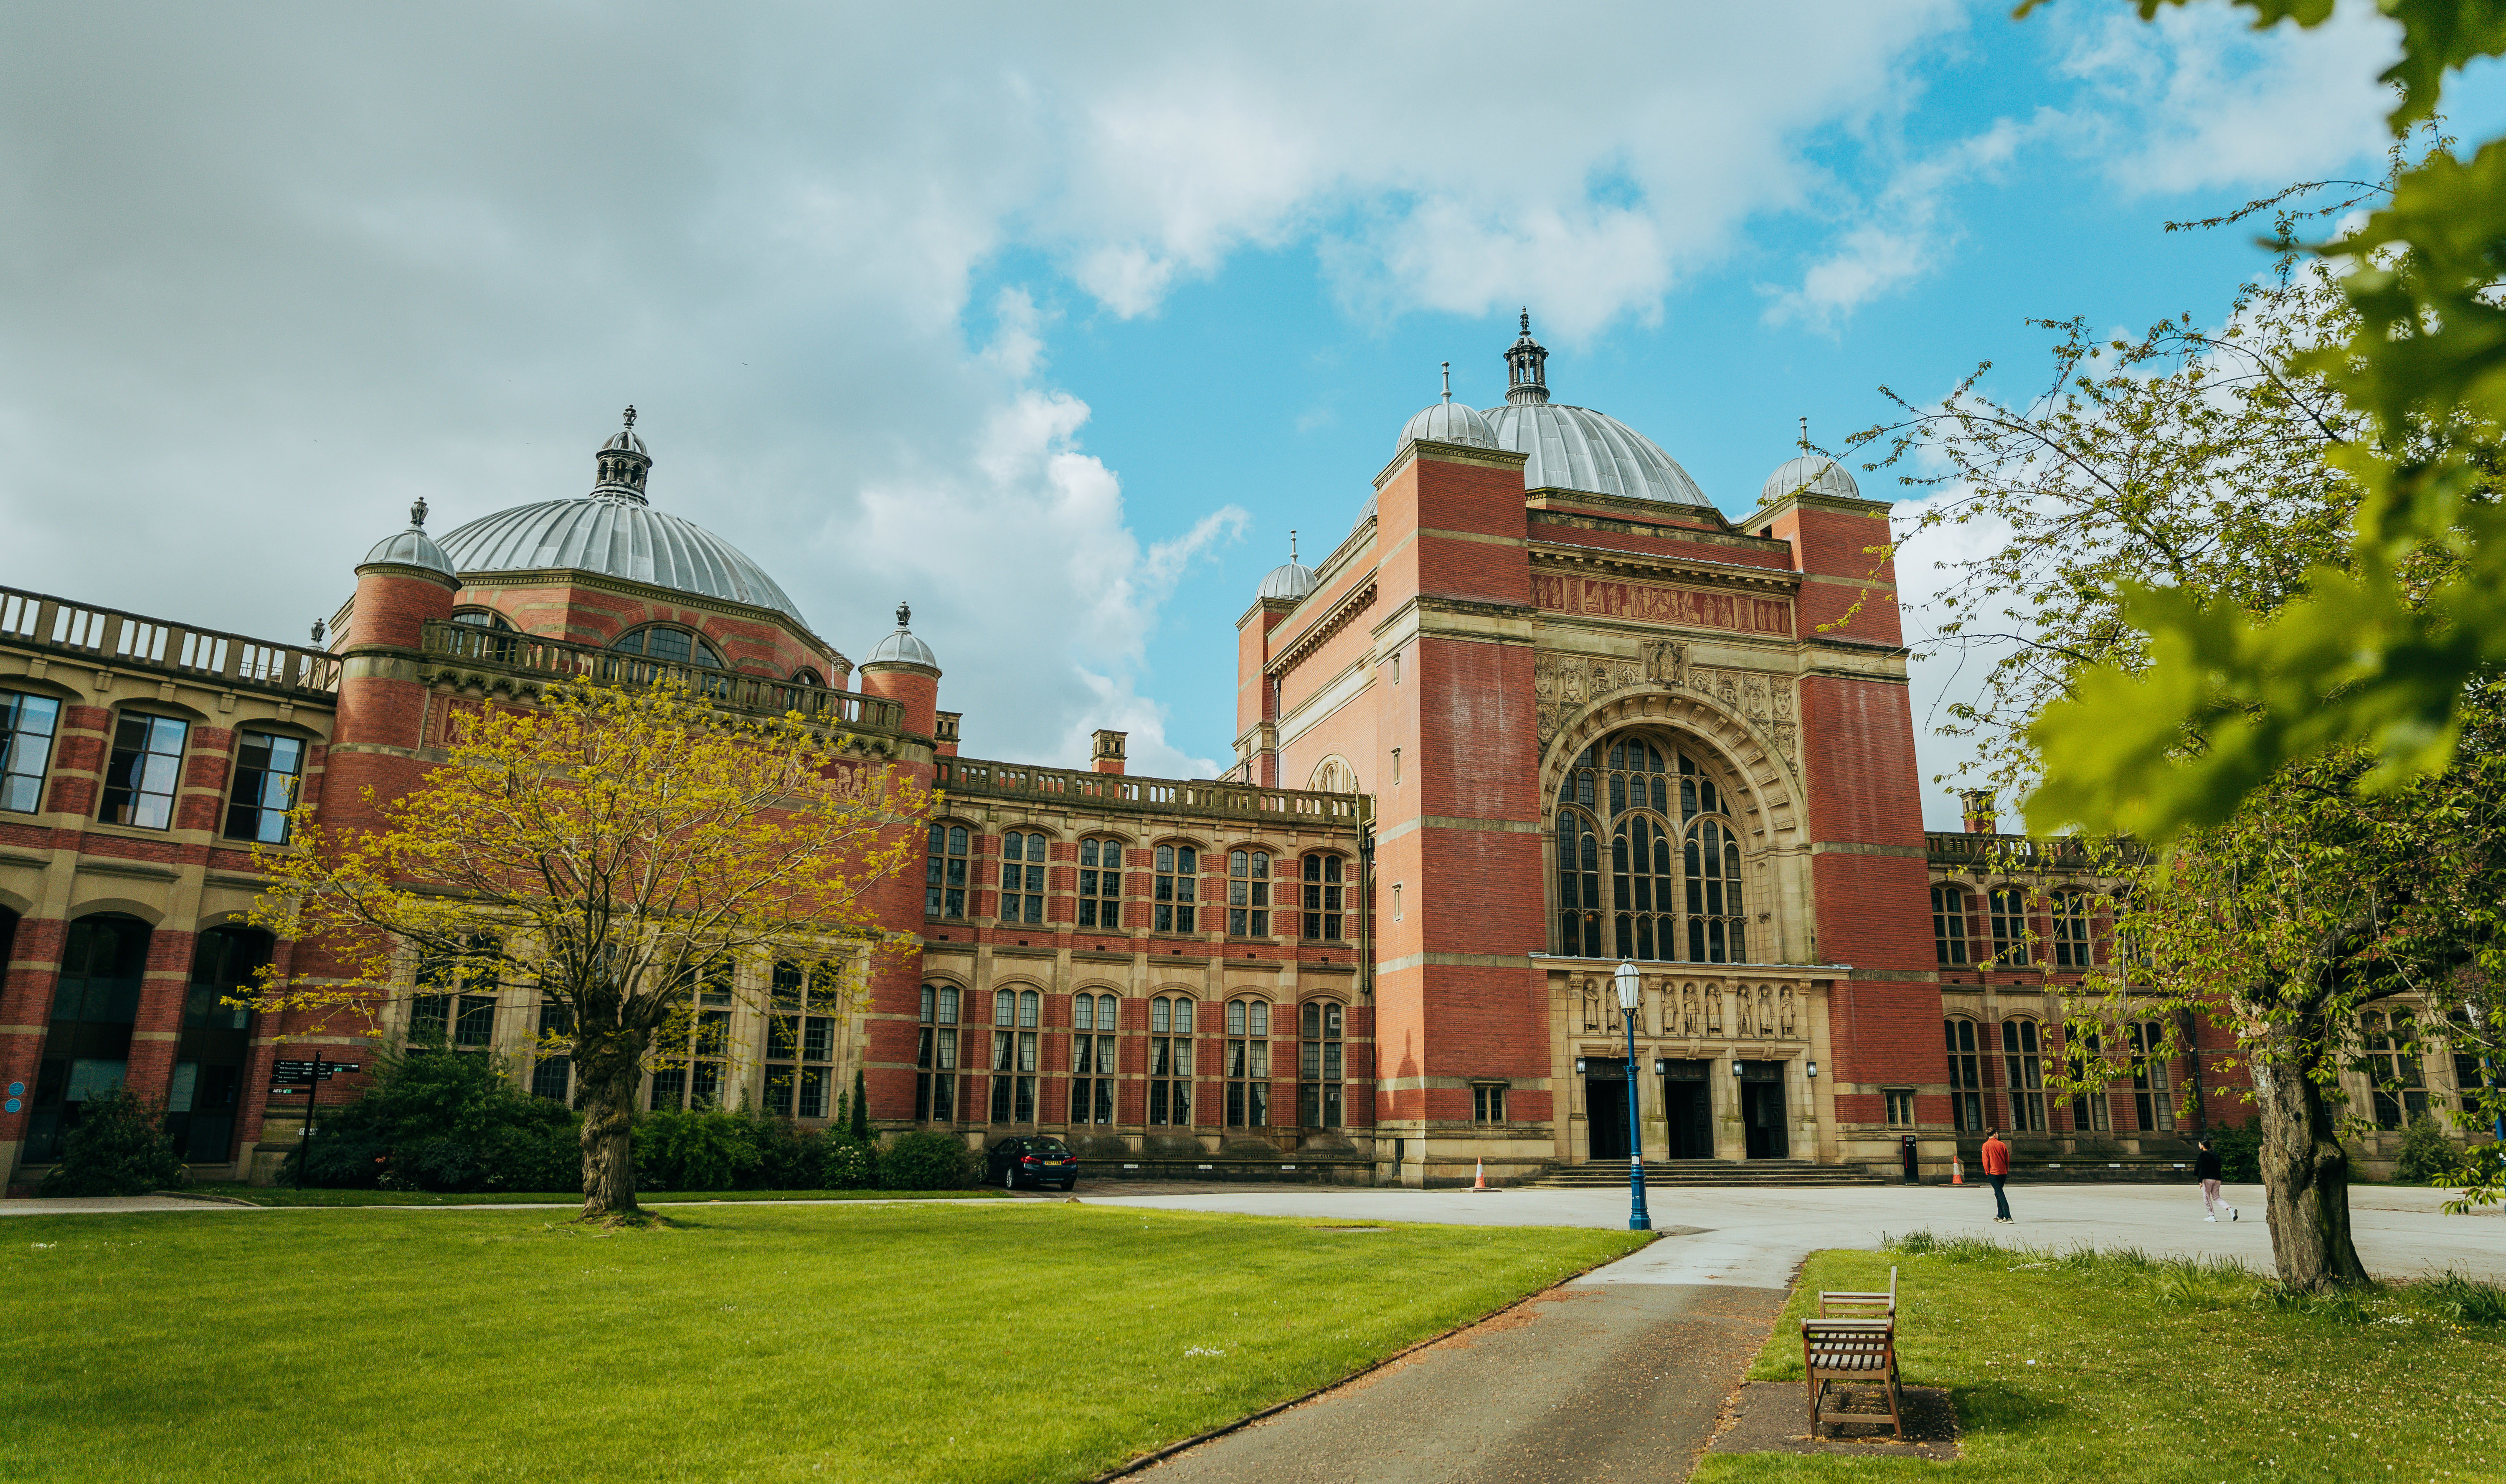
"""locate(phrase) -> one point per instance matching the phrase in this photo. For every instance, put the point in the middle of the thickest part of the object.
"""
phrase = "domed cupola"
(1526, 382)
(613, 531)
(623, 464)
(412, 546)
(901, 647)
(1292, 580)
(1809, 474)
(1449, 422)
(1575, 448)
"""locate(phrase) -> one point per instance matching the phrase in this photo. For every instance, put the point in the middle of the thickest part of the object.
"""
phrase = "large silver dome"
(615, 538)
(1575, 448)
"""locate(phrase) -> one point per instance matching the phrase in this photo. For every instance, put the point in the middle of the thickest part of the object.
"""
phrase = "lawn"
(2113, 1367)
(288, 1195)
(1021, 1341)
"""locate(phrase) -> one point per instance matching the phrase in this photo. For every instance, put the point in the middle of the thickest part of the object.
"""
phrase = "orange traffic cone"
(1479, 1175)
(1958, 1170)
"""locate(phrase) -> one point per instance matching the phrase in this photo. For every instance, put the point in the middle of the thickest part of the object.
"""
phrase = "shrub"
(119, 1148)
(847, 1164)
(858, 1123)
(926, 1162)
(440, 1120)
(702, 1150)
(2427, 1155)
(2240, 1151)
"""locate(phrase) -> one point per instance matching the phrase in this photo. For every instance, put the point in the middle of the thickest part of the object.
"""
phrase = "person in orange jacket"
(1996, 1165)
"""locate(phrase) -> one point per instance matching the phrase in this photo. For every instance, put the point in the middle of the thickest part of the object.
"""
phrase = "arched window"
(1178, 885)
(805, 675)
(1966, 1078)
(1170, 1061)
(483, 618)
(801, 1041)
(1318, 1065)
(267, 771)
(1096, 1020)
(2070, 913)
(1248, 893)
(2152, 1098)
(944, 872)
(671, 644)
(2007, 916)
(27, 727)
(935, 1056)
(2090, 1112)
(1248, 1064)
(2024, 1066)
(1674, 887)
(201, 1100)
(86, 1047)
(1333, 774)
(1015, 1016)
(1323, 873)
(1949, 924)
(1100, 884)
(1023, 877)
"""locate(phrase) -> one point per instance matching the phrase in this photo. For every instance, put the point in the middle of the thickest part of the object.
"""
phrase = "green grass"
(1026, 1341)
(2113, 1366)
(286, 1195)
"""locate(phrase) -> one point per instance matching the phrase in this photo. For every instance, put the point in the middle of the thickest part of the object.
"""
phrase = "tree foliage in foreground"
(617, 849)
(2365, 657)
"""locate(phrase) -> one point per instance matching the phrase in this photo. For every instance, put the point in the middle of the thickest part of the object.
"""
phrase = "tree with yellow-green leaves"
(616, 848)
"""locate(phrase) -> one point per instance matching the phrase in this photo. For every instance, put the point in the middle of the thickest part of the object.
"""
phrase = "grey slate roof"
(1575, 448)
(1814, 472)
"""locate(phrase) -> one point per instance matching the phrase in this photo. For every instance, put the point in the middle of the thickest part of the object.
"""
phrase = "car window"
(1051, 1146)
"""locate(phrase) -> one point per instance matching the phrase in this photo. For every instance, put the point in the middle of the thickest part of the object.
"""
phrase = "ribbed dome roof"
(901, 647)
(1448, 422)
(1575, 448)
(615, 538)
(1290, 580)
(413, 547)
(1815, 473)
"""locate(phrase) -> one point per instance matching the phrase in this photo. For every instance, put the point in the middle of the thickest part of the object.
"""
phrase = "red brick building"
(1544, 709)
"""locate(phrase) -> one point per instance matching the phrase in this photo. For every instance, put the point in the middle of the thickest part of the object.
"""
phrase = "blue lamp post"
(1638, 1220)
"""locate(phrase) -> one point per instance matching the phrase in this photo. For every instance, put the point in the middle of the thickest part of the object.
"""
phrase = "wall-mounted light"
(1579, 1067)
(1736, 1069)
(1813, 1070)
(1662, 1066)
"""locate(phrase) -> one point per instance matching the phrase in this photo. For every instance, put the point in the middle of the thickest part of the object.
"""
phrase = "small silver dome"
(1812, 474)
(1575, 448)
(412, 546)
(1291, 580)
(1448, 422)
(901, 647)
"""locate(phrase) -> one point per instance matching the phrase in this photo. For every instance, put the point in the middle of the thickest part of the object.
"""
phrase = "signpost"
(289, 1076)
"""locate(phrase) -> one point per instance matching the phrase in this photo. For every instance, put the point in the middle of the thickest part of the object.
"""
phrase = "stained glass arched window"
(1673, 889)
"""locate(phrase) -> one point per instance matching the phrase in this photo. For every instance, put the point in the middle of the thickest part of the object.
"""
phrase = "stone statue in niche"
(1784, 1010)
(1743, 1024)
(1667, 663)
(1714, 1009)
(1688, 1009)
(1591, 1008)
(1765, 1010)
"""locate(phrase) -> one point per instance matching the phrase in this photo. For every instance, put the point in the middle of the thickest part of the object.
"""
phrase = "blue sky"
(1054, 324)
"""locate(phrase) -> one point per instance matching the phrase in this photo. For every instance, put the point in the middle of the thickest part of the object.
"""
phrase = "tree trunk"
(611, 1069)
(2305, 1172)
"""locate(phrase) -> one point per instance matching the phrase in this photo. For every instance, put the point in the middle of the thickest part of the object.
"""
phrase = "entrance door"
(1688, 1109)
(1762, 1109)
(1605, 1116)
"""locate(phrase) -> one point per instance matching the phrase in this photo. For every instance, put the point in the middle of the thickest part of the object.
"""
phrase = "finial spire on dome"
(1292, 543)
(631, 414)
(1525, 378)
(904, 615)
(1448, 380)
(417, 514)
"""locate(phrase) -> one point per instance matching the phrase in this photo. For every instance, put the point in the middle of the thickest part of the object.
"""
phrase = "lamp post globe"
(1638, 1219)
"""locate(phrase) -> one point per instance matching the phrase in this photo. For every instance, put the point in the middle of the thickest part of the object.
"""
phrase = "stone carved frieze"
(1564, 684)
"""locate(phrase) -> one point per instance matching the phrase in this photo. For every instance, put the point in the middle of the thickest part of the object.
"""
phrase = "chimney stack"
(1977, 807)
(1109, 751)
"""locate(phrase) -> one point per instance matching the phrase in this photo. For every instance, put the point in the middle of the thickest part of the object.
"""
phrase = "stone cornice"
(1638, 565)
(1451, 453)
(1322, 628)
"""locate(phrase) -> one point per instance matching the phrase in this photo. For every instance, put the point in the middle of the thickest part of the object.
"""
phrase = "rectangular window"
(1177, 887)
(1966, 1078)
(474, 1022)
(552, 1072)
(1323, 900)
(1248, 1064)
(145, 771)
(1318, 1065)
(2149, 1096)
(2025, 1075)
(1248, 893)
(800, 1046)
(1014, 1055)
(2392, 1064)
(1100, 884)
(1949, 926)
(2072, 930)
(944, 872)
(1171, 1064)
(1488, 1104)
(267, 771)
(27, 724)
(1023, 877)
(2008, 920)
(1901, 1106)
(935, 1056)
(1095, 1023)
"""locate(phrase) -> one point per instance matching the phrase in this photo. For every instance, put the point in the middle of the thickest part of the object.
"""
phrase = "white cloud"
(2199, 99)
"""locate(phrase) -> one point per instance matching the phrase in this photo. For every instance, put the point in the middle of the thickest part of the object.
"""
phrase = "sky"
(1054, 322)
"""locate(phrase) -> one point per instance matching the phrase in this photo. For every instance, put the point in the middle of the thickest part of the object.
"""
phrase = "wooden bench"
(1851, 1349)
(1860, 1306)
